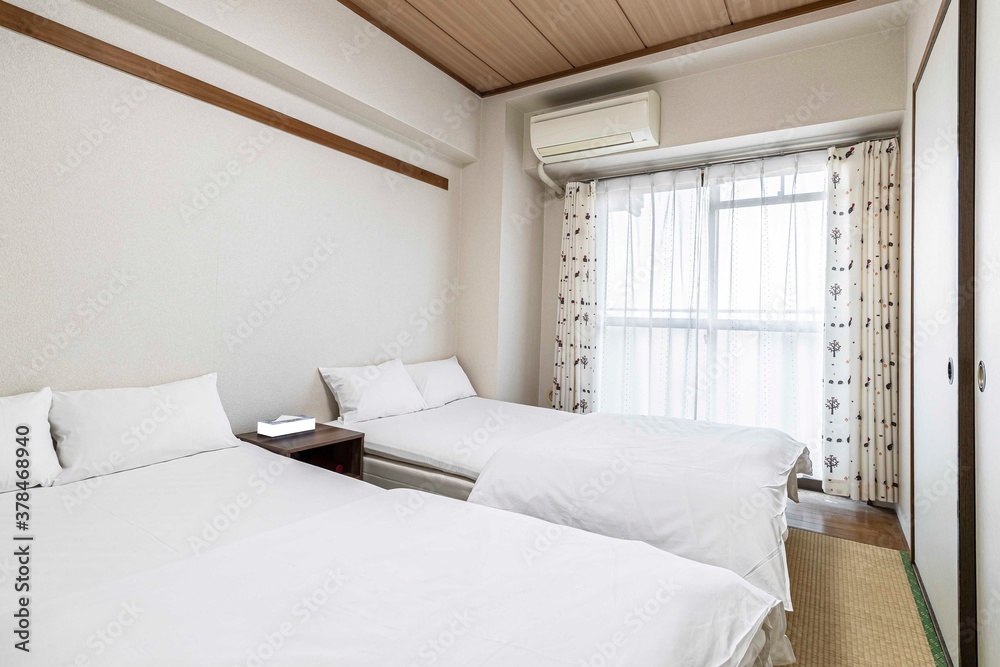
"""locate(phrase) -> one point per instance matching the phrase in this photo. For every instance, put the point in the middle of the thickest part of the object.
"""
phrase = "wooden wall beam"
(48, 31)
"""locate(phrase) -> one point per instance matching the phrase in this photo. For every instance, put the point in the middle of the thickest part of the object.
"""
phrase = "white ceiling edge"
(834, 24)
(762, 144)
(189, 32)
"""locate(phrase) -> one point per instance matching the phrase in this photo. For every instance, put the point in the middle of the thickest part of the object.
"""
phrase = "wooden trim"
(968, 616)
(676, 43)
(931, 41)
(968, 647)
(48, 31)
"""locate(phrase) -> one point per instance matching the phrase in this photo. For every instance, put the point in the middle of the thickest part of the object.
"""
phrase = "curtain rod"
(744, 158)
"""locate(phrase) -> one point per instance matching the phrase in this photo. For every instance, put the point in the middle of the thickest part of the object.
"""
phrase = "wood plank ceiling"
(497, 45)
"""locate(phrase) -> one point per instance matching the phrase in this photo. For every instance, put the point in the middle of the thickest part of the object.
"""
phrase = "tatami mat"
(856, 604)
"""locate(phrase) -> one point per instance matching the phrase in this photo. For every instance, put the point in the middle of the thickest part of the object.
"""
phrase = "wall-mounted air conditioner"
(599, 128)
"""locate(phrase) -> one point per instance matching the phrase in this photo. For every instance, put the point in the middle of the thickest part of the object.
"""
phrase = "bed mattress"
(457, 438)
(240, 557)
(392, 474)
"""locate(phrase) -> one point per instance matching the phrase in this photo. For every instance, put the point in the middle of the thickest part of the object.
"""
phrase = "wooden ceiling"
(496, 45)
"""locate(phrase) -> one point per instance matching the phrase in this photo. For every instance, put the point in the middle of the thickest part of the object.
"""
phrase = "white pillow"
(441, 382)
(103, 431)
(27, 416)
(372, 392)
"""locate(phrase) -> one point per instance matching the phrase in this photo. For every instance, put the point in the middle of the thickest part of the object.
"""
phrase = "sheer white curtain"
(712, 288)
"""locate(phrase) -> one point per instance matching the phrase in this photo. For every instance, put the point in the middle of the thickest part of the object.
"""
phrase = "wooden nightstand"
(330, 447)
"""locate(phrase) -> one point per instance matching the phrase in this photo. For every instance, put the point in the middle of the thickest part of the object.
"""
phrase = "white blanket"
(709, 492)
(458, 438)
(318, 569)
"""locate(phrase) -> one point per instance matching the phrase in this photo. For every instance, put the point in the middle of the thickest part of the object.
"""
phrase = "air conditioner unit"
(599, 128)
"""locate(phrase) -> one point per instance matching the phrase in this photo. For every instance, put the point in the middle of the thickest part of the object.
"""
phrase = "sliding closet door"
(935, 340)
(988, 329)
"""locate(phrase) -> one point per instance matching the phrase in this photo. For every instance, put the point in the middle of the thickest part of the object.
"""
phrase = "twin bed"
(191, 548)
(443, 450)
(240, 557)
(709, 492)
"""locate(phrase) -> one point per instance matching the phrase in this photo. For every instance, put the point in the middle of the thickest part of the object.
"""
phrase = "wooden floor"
(846, 519)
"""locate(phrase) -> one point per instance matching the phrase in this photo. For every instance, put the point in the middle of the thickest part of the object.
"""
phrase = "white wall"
(520, 271)
(370, 72)
(778, 96)
(147, 236)
(501, 260)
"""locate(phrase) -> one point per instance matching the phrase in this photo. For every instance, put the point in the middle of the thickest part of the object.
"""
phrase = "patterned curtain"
(862, 322)
(576, 323)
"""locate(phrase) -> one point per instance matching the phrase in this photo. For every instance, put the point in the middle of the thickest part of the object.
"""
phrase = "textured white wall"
(147, 237)
(482, 210)
(331, 44)
(854, 78)
(520, 271)
(501, 262)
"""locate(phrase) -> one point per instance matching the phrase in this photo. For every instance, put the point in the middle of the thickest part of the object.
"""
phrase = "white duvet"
(317, 569)
(457, 438)
(709, 492)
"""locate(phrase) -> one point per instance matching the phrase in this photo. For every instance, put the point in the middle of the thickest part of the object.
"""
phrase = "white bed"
(240, 557)
(444, 449)
(709, 492)
(713, 493)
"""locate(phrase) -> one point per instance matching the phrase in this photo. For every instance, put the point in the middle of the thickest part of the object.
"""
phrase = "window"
(713, 294)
